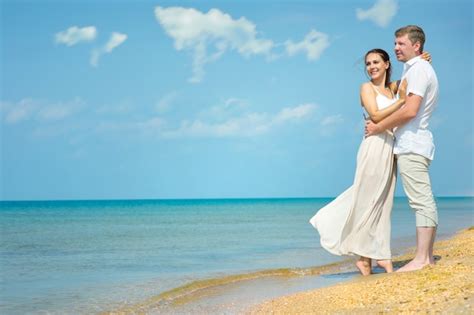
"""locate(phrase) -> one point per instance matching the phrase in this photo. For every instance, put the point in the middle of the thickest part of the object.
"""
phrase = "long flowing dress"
(357, 222)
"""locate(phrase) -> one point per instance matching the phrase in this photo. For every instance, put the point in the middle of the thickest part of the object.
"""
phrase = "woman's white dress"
(357, 222)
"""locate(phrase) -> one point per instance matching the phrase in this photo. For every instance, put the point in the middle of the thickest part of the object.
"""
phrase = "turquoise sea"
(83, 257)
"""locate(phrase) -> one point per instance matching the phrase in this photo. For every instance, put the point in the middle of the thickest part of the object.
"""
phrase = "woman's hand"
(402, 90)
(427, 56)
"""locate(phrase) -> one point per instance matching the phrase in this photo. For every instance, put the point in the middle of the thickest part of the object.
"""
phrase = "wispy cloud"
(331, 124)
(164, 104)
(22, 110)
(60, 111)
(215, 30)
(381, 13)
(153, 126)
(116, 39)
(313, 45)
(294, 113)
(120, 108)
(245, 125)
(332, 120)
(75, 35)
(231, 107)
(28, 109)
(248, 125)
(232, 120)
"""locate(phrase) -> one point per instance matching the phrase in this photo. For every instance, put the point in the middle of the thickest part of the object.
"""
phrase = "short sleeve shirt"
(414, 136)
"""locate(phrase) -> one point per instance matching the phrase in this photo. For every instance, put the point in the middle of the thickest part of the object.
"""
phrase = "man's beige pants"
(413, 169)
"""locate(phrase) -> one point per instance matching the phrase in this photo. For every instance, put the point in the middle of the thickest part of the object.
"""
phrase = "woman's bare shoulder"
(366, 87)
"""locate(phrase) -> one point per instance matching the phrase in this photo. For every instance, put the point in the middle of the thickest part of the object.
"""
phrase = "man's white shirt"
(414, 136)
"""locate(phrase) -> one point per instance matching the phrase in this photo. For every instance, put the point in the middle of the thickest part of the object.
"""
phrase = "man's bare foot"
(364, 265)
(385, 264)
(414, 265)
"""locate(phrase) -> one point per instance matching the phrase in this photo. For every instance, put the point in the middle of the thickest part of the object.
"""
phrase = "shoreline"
(446, 287)
(141, 250)
(295, 287)
(187, 298)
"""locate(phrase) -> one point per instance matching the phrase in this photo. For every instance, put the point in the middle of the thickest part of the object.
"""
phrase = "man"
(414, 148)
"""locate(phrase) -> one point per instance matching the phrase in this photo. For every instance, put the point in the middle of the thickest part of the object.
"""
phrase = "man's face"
(404, 49)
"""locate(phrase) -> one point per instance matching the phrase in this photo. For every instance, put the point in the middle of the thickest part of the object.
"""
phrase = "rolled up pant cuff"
(424, 221)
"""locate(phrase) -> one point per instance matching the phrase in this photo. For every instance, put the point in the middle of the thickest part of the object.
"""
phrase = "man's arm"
(400, 117)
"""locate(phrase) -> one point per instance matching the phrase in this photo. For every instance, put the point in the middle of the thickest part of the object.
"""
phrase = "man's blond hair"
(415, 34)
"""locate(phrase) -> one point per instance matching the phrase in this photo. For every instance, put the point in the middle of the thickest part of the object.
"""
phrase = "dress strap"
(375, 88)
(380, 93)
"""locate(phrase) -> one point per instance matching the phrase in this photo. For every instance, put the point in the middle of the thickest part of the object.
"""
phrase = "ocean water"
(82, 257)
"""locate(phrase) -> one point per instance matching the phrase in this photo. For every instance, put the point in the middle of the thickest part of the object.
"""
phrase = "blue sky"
(212, 99)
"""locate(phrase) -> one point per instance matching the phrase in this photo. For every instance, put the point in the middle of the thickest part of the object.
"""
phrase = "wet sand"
(235, 294)
(447, 287)
(334, 288)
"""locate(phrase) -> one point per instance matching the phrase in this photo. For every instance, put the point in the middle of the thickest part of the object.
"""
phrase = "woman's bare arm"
(367, 98)
(394, 86)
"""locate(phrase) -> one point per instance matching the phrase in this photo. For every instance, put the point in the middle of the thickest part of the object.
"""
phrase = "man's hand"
(371, 128)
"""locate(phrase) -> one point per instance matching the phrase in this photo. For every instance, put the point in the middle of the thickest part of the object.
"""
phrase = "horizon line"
(203, 199)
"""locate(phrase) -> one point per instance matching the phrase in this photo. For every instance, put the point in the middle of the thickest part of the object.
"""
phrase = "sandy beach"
(447, 287)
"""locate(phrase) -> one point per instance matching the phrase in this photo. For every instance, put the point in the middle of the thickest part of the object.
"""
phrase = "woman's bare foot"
(364, 265)
(385, 264)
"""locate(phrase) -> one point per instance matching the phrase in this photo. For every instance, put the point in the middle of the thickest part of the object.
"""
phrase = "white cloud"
(209, 35)
(28, 108)
(75, 35)
(20, 111)
(231, 107)
(294, 113)
(246, 125)
(332, 120)
(120, 108)
(164, 103)
(215, 30)
(253, 125)
(154, 126)
(4, 106)
(381, 13)
(313, 45)
(151, 125)
(115, 40)
(59, 111)
(95, 55)
(235, 102)
(331, 124)
(233, 120)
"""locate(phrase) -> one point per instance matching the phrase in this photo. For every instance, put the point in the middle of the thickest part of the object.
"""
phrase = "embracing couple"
(357, 222)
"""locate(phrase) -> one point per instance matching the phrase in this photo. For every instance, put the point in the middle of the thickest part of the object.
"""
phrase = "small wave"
(188, 292)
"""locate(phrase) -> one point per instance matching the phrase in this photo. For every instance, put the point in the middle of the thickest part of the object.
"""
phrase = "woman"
(357, 222)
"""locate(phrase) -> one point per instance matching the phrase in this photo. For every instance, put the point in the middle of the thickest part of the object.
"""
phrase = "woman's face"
(375, 66)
